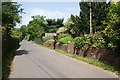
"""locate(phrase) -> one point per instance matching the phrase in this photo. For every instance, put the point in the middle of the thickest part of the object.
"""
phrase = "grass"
(60, 51)
(97, 63)
(90, 61)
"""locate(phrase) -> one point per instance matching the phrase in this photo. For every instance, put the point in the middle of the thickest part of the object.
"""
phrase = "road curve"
(33, 61)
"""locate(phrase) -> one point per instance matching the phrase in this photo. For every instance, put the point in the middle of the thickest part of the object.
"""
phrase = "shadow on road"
(21, 52)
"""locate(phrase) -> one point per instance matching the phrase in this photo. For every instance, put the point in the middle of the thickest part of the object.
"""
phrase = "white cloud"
(48, 13)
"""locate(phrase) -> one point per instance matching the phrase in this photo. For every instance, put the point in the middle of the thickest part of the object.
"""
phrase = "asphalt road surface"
(33, 61)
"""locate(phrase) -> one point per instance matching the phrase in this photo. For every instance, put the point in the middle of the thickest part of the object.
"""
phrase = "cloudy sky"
(48, 9)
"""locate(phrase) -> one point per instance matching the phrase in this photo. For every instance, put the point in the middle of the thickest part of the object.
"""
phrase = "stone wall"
(101, 54)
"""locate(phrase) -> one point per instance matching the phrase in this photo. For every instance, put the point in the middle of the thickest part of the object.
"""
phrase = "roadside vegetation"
(98, 63)
(105, 34)
(10, 35)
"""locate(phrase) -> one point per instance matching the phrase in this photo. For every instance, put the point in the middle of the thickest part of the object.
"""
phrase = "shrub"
(63, 35)
(64, 40)
(82, 42)
(78, 42)
(100, 40)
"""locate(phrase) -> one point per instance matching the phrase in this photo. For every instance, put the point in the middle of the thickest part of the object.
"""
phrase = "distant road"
(33, 61)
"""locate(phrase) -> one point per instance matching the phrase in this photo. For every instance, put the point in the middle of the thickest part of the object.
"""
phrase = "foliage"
(74, 26)
(113, 25)
(63, 35)
(78, 42)
(16, 33)
(27, 37)
(99, 13)
(53, 25)
(10, 36)
(97, 40)
(23, 29)
(64, 38)
(69, 25)
(82, 42)
(109, 38)
(10, 14)
(39, 25)
(36, 27)
(100, 40)
(61, 30)
(79, 25)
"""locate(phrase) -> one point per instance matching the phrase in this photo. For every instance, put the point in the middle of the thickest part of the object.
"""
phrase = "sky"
(49, 9)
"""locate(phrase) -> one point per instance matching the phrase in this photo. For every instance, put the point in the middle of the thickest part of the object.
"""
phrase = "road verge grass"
(89, 61)
(98, 63)
(57, 50)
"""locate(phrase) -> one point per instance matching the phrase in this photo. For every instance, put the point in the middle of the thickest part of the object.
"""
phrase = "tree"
(53, 25)
(10, 14)
(74, 26)
(99, 14)
(113, 25)
(23, 29)
(10, 36)
(36, 27)
(16, 33)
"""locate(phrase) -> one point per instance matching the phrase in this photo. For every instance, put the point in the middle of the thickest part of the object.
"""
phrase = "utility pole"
(91, 29)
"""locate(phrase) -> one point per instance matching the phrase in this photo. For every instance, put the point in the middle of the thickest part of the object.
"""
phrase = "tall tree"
(53, 25)
(10, 14)
(36, 26)
(23, 29)
(10, 36)
(113, 25)
(99, 14)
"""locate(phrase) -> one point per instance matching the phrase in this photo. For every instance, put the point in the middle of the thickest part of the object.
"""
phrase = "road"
(33, 61)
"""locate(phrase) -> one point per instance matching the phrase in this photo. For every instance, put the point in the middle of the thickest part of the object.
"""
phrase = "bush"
(82, 42)
(9, 46)
(100, 40)
(64, 40)
(63, 36)
(78, 42)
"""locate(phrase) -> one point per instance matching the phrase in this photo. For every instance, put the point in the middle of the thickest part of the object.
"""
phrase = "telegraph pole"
(91, 29)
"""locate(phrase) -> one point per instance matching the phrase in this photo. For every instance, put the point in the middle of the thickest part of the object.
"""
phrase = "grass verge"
(98, 63)
(95, 62)
(57, 50)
